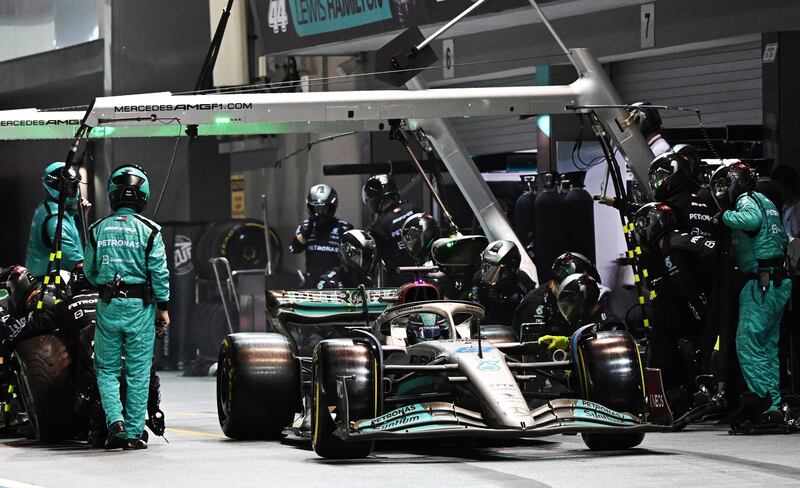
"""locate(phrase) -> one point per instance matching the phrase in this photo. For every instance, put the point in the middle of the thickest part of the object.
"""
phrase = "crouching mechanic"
(125, 259)
(759, 244)
(357, 257)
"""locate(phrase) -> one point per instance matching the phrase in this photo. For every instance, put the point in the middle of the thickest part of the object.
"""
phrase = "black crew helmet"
(648, 119)
(418, 233)
(694, 165)
(357, 252)
(322, 195)
(377, 190)
(669, 173)
(741, 180)
(500, 263)
(570, 263)
(652, 221)
(719, 182)
(577, 297)
(128, 186)
(22, 286)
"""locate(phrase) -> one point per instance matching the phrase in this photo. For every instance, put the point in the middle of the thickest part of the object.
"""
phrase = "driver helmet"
(418, 233)
(128, 186)
(500, 263)
(52, 180)
(322, 196)
(578, 297)
(652, 221)
(648, 119)
(357, 252)
(668, 174)
(423, 327)
(570, 263)
(377, 190)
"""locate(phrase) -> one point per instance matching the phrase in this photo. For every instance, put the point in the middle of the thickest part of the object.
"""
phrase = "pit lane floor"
(199, 455)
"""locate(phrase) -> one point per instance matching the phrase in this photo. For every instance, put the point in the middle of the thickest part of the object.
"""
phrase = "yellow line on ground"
(195, 432)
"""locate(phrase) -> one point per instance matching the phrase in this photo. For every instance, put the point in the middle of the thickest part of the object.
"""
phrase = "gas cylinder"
(579, 212)
(551, 225)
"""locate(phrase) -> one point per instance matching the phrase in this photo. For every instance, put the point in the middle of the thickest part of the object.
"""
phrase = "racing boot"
(117, 436)
(137, 444)
(747, 415)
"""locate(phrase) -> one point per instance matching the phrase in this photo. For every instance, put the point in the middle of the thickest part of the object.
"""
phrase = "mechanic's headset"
(128, 188)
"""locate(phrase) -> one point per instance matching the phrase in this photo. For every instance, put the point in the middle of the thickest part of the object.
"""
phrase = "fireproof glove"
(554, 342)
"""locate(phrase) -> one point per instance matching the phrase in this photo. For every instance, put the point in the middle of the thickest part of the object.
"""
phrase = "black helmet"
(22, 286)
(570, 263)
(377, 190)
(418, 233)
(648, 120)
(357, 252)
(424, 327)
(694, 164)
(577, 297)
(320, 196)
(499, 263)
(741, 179)
(78, 281)
(128, 187)
(719, 183)
(668, 174)
(652, 221)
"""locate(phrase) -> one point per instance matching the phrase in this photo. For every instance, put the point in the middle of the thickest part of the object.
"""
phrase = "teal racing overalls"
(40, 241)
(759, 244)
(123, 249)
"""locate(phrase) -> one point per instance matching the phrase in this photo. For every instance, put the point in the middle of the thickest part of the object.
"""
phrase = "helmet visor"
(491, 274)
(658, 177)
(720, 187)
(128, 179)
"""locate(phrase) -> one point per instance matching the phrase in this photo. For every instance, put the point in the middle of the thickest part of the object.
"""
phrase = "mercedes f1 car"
(345, 369)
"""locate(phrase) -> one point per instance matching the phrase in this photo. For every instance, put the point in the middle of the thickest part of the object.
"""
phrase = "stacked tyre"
(209, 328)
(240, 241)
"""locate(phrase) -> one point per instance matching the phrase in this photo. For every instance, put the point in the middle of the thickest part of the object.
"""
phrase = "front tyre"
(610, 373)
(258, 385)
(342, 358)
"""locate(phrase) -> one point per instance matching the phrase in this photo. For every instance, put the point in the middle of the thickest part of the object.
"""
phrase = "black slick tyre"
(337, 358)
(258, 385)
(610, 371)
(46, 386)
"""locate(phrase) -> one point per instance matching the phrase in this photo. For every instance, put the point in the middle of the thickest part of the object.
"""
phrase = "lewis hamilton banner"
(287, 25)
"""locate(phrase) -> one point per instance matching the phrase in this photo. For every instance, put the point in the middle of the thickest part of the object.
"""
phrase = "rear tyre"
(611, 375)
(46, 386)
(258, 385)
(336, 358)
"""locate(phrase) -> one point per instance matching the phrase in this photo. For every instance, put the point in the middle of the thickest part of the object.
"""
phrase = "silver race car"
(345, 371)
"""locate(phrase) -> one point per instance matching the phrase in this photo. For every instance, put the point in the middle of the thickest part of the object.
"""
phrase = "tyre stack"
(242, 243)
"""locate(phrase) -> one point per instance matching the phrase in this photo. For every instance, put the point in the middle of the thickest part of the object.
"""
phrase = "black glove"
(161, 328)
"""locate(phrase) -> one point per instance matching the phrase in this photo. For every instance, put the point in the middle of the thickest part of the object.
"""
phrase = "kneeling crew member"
(500, 285)
(125, 258)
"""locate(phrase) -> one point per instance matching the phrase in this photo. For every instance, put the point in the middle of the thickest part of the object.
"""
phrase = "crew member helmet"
(418, 233)
(377, 190)
(652, 221)
(53, 181)
(578, 297)
(570, 263)
(357, 252)
(322, 195)
(500, 263)
(128, 187)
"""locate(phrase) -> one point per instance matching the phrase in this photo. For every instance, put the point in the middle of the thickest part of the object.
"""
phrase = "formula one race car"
(357, 372)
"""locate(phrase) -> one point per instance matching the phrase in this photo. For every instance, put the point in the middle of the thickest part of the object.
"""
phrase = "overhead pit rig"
(229, 114)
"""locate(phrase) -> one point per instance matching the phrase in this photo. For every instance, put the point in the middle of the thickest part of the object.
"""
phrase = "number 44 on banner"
(277, 17)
